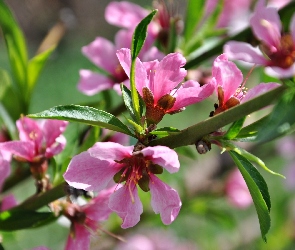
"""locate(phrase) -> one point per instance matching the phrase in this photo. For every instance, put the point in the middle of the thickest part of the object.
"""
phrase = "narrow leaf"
(35, 66)
(258, 190)
(234, 129)
(281, 119)
(140, 33)
(16, 219)
(86, 115)
(15, 42)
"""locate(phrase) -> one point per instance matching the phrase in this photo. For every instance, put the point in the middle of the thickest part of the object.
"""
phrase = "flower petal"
(191, 92)
(52, 129)
(124, 56)
(245, 52)
(8, 202)
(292, 27)
(165, 200)
(81, 241)
(126, 203)
(163, 156)
(23, 149)
(98, 209)
(266, 25)
(259, 90)
(90, 173)
(124, 14)
(4, 169)
(91, 83)
(102, 53)
(280, 72)
(168, 75)
(227, 75)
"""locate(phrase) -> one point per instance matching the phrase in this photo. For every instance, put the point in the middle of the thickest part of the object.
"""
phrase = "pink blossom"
(37, 140)
(229, 85)
(105, 161)
(5, 158)
(108, 135)
(159, 84)
(276, 52)
(237, 191)
(85, 220)
(103, 54)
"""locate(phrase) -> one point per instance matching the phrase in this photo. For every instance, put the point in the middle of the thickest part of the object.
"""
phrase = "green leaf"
(258, 190)
(162, 132)
(194, 14)
(35, 66)
(234, 129)
(17, 219)
(281, 120)
(249, 132)
(16, 45)
(5, 82)
(138, 39)
(140, 33)
(86, 115)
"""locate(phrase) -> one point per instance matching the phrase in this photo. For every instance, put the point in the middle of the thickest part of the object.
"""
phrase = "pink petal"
(4, 169)
(124, 56)
(165, 200)
(110, 151)
(266, 25)
(90, 173)
(116, 137)
(227, 75)
(191, 92)
(168, 75)
(91, 83)
(98, 209)
(280, 72)
(237, 191)
(23, 149)
(259, 90)
(124, 14)
(151, 54)
(52, 129)
(245, 52)
(123, 39)
(126, 203)
(8, 202)
(163, 156)
(81, 240)
(102, 53)
(57, 147)
(292, 27)
(29, 130)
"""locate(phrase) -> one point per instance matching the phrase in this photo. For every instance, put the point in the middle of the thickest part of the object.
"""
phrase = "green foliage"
(234, 129)
(86, 115)
(281, 120)
(258, 190)
(15, 219)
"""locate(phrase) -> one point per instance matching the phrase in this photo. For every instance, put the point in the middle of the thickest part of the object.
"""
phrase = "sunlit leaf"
(234, 129)
(86, 115)
(258, 190)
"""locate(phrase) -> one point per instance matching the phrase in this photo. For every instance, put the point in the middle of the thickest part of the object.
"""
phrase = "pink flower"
(103, 54)
(159, 85)
(37, 140)
(5, 158)
(105, 161)
(237, 191)
(276, 52)
(229, 87)
(128, 15)
(8, 202)
(85, 220)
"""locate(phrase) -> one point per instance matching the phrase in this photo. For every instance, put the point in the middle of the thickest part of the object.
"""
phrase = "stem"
(37, 201)
(196, 132)
(134, 94)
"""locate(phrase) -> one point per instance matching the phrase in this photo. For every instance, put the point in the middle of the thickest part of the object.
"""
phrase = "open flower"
(276, 51)
(85, 220)
(105, 161)
(103, 54)
(37, 140)
(159, 84)
(230, 86)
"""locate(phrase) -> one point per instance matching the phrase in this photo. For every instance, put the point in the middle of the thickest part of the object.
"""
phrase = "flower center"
(284, 57)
